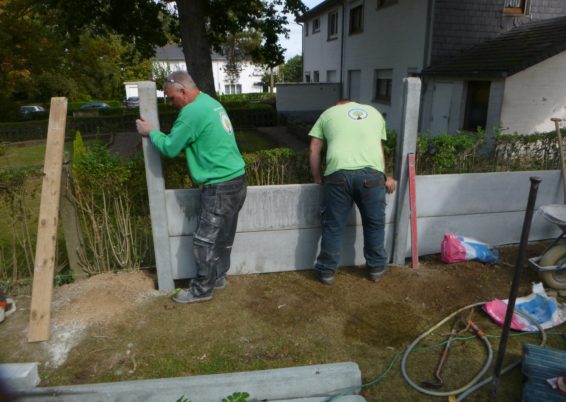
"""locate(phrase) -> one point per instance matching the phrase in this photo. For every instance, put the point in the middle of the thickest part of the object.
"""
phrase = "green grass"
(251, 141)
(23, 155)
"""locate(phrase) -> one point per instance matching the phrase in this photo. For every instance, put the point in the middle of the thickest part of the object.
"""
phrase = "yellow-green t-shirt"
(353, 133)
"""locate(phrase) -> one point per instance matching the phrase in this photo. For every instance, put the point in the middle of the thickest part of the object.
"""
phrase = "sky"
(294, 44)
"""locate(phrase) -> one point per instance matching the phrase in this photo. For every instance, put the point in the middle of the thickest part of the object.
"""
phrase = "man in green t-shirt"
(355, 166)
(204, 132)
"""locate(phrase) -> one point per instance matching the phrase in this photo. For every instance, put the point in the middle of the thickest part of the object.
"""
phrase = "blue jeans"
(366, 188)
(216, 229)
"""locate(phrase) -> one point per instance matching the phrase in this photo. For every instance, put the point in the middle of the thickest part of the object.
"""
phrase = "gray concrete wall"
(279, 227)
(305, 102)
(487, 206)
(278, 230)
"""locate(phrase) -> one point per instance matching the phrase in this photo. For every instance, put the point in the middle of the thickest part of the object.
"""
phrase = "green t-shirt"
(204, 131)
(353, 133)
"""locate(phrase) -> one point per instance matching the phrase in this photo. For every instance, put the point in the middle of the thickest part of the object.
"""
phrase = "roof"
(508, 53)
(325, 5)
(174, 52)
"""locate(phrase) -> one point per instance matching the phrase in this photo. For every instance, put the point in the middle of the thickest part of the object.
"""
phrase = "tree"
(206, 24)
(294, 69)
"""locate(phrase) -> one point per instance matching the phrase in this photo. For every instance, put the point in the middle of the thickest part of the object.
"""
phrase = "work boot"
(186, 296)
(326, 279)
(220, 283)
(375, 274)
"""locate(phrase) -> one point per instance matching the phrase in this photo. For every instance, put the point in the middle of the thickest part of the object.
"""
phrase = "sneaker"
(220, 283)
(326, 279)
(376, 274)
(186, 296)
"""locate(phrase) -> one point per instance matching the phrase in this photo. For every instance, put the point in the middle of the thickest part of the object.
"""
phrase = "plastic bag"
(538, 305)
(459, 248)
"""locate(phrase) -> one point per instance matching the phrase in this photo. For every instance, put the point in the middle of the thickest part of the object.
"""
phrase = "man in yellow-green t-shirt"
(354, 173)
(204, 132)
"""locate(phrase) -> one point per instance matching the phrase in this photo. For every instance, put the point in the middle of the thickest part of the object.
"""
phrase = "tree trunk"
(196, 47)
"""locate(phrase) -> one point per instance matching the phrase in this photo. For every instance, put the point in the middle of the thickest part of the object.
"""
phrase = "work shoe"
(186, 296)
(220, 283)
(375, 274)
(326, 279)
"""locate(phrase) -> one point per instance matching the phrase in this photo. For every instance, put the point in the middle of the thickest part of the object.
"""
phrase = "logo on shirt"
(226, 123)
(357, 114)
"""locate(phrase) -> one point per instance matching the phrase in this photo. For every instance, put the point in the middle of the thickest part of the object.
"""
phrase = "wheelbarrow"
(551, 265)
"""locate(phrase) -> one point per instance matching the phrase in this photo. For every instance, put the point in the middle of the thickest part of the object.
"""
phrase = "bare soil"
(117, 327)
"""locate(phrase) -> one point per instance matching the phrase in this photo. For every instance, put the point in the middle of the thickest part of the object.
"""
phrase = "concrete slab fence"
(279, 226)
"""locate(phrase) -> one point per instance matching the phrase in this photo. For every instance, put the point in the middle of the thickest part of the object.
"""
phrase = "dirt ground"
(117, 327)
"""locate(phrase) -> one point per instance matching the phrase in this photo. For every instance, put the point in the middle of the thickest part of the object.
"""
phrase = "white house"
(171, 58)
(367, 47)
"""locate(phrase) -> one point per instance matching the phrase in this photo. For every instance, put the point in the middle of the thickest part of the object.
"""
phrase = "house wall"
(535, 95)
(385, 43)
(323, 54)
(461, 24)
(279, 226)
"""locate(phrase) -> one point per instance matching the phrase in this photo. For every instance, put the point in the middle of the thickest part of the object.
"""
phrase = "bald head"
(180, 89)
(182, 79)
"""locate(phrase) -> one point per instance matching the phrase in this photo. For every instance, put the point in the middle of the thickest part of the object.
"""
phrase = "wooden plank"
(44, 267)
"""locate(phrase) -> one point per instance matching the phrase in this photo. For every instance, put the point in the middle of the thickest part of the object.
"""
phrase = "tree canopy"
(87, 48)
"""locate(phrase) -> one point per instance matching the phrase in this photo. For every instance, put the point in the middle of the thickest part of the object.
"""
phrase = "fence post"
(156, 189)
(406, 144)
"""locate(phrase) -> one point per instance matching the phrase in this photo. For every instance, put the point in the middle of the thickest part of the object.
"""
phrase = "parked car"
(27, 111)
(132, 101)
(94, 105)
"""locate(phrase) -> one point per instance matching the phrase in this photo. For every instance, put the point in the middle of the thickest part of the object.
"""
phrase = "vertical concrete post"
(156, 189)
(406, 144)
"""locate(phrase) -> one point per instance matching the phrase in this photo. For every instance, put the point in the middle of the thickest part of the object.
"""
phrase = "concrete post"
(406, 144)
(156, 189)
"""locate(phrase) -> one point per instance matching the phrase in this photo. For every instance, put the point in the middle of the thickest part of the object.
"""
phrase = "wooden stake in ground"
(40, 312)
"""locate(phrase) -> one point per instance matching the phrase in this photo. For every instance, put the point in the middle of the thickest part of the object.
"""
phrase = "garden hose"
(475, 383)
(478, 376)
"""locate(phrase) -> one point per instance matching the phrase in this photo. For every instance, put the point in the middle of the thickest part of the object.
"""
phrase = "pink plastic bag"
(452, 249)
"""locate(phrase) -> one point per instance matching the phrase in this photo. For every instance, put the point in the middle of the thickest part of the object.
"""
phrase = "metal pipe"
(535, 181)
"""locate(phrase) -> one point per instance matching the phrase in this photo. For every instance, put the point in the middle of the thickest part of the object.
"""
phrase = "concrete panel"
(19, 376)
(494, 229)
(273, 251)
(483, 193)
(293, 206)
(276, 384)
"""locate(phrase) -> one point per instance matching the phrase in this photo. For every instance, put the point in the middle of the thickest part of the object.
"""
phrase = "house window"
(307, 77)
(316, 25)
(477, 100)
(356, 19)
(306, 29)
(516, 7)
(332, 25)
(331, 76)
(232, 89)
(383, 80)
(385, 3)
(315, 76)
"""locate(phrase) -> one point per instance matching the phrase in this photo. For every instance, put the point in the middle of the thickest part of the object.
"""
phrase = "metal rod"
(557, 122)
(535, 181)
